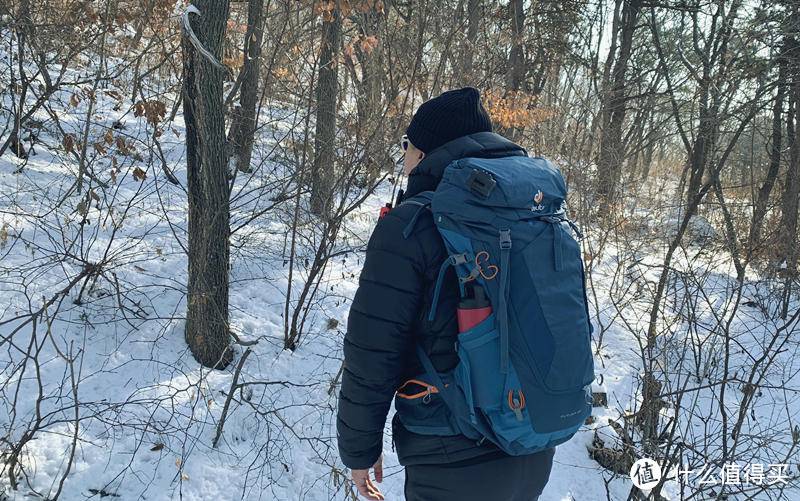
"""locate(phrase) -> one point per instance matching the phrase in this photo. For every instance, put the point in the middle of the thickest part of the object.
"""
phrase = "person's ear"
(421, 155)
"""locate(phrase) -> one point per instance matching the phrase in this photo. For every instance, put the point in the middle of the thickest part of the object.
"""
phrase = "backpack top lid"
(515, 188)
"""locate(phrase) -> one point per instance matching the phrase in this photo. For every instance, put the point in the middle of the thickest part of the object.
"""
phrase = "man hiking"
(403, 325)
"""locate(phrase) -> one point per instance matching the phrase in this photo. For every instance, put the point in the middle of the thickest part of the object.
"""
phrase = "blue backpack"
(525, 372)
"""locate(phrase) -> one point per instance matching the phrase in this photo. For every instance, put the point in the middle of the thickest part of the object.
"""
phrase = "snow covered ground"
(148, 413)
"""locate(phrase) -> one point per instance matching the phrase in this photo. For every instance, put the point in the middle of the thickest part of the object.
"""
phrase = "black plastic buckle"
(481, 183)
(505, 238)
(456, 259)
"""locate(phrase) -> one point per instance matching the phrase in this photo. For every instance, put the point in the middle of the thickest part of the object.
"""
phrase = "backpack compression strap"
(502, 306)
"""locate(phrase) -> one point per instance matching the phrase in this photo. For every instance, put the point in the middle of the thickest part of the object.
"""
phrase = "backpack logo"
(537, 200)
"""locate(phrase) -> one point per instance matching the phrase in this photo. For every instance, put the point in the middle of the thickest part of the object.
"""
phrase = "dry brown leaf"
(69, 143)
(121, 146)
(368, 44)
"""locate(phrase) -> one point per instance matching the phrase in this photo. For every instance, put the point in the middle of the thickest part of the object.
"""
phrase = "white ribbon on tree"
(191, 9)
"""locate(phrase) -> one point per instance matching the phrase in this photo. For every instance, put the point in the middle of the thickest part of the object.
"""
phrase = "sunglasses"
(404, 142)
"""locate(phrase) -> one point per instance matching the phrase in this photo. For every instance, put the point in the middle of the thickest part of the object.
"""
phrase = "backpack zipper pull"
(427, 398)
(516, 403)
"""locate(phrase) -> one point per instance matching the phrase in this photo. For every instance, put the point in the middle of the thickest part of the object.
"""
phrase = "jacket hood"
(428, 173)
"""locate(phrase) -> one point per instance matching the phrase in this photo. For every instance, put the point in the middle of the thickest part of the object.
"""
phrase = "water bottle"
(473, 308)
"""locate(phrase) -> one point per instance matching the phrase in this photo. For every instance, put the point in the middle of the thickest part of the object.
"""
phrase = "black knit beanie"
(452, 114)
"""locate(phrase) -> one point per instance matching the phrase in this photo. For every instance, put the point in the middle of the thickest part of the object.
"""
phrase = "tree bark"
(371, 128)
(516, 58)
(207, 332)
(707, 133)
(612, 148)
(244, 118)
(468, 74)
(791, 189)
(24, 28)
(323, 170)
(760, 206)
(517, 66)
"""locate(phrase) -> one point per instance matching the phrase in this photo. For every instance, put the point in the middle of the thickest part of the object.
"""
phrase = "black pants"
(506, 478)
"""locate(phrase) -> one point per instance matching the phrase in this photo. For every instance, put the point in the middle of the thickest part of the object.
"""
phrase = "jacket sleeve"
(379, 339)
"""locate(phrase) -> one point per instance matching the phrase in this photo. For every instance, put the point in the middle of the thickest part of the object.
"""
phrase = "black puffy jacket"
(389, 315)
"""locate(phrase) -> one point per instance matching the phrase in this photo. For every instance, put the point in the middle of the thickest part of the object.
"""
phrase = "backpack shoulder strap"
(423, 200)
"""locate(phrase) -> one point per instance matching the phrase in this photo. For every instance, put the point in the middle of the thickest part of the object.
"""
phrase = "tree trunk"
(612, 154)
(517, 67)
(706, 138)
(143, 21)
(24, 27)
(244, 118)
(323, 170)
(791, 189)
(790, 199)
(516, 58)
(468, 73)
(207, 332)
(371, 126)
(648, 160)
(760, 208)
